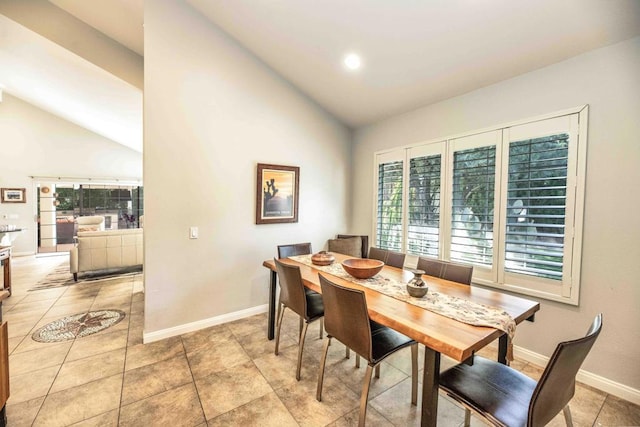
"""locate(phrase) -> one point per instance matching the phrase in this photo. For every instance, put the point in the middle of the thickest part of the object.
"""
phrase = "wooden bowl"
(323, 258)
(362, 268)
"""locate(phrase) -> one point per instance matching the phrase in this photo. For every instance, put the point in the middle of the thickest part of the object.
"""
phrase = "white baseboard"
(601, 383)
(201, 324)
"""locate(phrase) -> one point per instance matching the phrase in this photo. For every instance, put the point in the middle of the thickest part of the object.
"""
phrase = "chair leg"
(279, 326)
(347, 352)
(300, 348)
(301, 324)
(357, 361)
(364, 396)
(321, 327)
(414, 374)
(377, 371)
(567, 416)
(323, 361)
(467, 417)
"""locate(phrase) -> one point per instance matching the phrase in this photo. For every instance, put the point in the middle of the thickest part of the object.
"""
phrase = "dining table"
(438, 333)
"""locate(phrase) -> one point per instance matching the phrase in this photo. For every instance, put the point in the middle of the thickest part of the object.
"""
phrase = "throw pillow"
(351, 246)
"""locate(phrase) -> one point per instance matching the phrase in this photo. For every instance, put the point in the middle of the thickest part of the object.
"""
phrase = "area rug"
(61, 276)
(78, 325)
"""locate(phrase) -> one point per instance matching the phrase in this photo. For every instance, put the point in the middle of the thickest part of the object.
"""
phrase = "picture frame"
(277, 191)
(13, 195)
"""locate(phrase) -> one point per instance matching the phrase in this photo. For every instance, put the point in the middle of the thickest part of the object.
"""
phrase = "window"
(509, 201)
(389, 218)
(425, 181)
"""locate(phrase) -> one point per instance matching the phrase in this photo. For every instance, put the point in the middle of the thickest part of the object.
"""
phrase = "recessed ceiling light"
(352, 61)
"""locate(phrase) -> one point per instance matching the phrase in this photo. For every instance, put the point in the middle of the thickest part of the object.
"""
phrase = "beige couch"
(98, 250)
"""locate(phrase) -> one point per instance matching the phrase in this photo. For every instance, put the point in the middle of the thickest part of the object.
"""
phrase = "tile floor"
(222, 376)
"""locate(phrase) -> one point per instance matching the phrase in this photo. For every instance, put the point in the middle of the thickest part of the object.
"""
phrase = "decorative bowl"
(362, 268)
(323, 258)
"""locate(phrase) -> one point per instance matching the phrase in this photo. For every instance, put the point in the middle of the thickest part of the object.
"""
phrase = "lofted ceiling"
(414, 52)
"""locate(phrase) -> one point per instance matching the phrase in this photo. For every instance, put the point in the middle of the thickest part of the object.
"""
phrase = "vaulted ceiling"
(413, 52)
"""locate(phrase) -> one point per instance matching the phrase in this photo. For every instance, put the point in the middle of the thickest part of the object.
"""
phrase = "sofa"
(99, 250)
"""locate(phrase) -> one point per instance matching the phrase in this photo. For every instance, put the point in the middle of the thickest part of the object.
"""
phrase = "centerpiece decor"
(416, 287)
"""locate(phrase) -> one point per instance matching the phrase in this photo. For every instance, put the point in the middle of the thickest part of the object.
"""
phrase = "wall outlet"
(193, 232)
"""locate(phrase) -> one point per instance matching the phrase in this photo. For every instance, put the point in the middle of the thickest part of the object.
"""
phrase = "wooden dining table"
(439, 334)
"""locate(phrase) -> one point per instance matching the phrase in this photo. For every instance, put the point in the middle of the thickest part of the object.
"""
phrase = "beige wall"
(212, 112)
(608, 80)
(36, 143)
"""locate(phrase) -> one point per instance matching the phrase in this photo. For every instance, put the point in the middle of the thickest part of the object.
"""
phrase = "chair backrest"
(285, 251)
(90, 223)
(391, 258)
(365, 243)
(460, 273)
(557, 384)
(346, 317)
(395, 259)
(291, 288)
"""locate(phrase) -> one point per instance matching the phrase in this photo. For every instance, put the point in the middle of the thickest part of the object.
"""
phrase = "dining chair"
(365, 243)
(506, 397)
(306, 303)
(460, 273)
(391, 258)
(347, 320)
(285, 251)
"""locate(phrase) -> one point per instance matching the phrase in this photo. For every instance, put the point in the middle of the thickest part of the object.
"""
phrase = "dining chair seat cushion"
(385, 341)
(315, 308)
(351, 246)
(490, 387)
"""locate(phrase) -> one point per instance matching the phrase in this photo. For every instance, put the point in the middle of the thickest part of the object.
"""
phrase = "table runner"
(455, 308)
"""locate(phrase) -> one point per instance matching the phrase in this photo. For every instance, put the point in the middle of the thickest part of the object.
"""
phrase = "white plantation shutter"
(389, 230)
(426, 174)
(509, 201)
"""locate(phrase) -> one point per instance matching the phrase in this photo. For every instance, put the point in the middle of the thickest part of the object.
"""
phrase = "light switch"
(193, 232)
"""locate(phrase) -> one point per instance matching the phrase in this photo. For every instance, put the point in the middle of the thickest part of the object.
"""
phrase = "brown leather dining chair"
(347, 320)
(305, 303)
(505, 397)
(460, 273)
(391, 258)
(285, 251)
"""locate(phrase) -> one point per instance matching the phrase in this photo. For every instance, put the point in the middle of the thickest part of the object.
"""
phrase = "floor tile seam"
(193, 379)
(273, 390)
(124, 361)
(595, 419)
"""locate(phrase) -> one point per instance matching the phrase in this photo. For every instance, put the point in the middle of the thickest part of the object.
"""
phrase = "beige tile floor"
(222, 376)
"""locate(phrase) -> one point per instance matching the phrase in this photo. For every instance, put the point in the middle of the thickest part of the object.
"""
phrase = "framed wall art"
(277, 194)
(13, 195)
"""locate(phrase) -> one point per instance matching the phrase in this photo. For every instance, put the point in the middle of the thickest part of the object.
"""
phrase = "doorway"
(59, 204)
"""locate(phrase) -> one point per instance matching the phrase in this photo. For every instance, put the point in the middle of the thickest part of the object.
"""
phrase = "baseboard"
(596, 381)
(201, 324)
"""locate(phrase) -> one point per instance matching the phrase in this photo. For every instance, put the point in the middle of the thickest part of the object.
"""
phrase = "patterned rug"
(61, 276)
(78, 325)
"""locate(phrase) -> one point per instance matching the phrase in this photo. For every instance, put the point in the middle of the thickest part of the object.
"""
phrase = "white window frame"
(573, 121)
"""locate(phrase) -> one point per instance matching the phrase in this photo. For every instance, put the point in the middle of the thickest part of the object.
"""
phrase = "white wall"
(608, 80)
(212, 112)
(36, 143)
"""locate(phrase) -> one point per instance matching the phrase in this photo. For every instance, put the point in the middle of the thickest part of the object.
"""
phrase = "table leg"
(430, 381)
(503, 343)
(272, 306)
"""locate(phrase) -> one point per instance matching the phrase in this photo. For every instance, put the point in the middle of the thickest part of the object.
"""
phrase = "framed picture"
(277, 194)
(13, 195)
